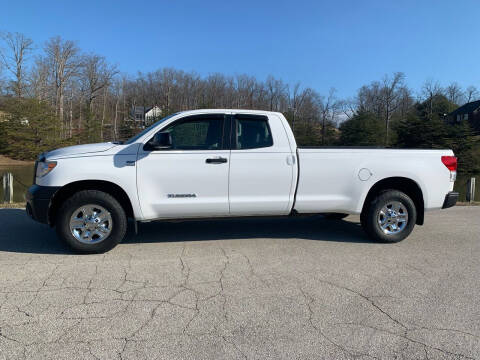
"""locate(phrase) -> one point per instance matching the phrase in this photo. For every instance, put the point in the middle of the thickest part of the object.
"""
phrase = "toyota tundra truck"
(232, 163)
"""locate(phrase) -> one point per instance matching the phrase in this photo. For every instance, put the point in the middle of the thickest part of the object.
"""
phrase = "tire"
(335, 216)
(101, 215)
(391, 226)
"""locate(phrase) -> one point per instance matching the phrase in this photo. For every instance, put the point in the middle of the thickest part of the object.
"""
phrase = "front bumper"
(450, 199)
(38, 202)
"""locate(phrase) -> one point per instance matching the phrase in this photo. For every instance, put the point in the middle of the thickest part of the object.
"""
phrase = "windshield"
(147, 129)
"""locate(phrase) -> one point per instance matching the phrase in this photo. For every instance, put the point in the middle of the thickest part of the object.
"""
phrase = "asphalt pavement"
(280, 288)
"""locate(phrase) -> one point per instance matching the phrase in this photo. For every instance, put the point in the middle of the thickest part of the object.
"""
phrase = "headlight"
(44, 167)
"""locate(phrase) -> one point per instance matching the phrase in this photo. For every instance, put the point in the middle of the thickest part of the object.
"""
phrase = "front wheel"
(91, 221)
(390, 217)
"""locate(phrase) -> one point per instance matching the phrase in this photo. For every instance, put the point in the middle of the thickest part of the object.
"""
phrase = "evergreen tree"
(91, 132)
(426, 127)
(462, 141)
(421, 132)
(363, 129)
(29, 127)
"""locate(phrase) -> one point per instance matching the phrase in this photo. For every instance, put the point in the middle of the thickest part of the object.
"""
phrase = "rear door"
(190, 179)
(261, 166)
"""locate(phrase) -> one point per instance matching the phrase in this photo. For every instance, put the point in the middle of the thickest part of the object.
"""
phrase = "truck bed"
(337, 179)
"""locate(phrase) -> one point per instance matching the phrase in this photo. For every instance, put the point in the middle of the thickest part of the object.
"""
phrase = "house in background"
(142, 116)
(3, 116)
(470, 112)
(152, 114)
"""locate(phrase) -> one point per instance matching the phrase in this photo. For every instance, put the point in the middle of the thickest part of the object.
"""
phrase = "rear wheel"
(91, 221)
(390, 216)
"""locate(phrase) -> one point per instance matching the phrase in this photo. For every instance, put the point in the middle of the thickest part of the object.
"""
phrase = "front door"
(189, 179)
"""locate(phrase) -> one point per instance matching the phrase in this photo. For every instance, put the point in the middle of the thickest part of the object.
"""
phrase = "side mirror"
(161, 141)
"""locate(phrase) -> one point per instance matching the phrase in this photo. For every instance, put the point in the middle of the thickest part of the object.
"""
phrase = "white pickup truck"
(230, 163)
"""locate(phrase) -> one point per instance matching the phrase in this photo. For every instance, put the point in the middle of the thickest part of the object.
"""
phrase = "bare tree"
(347, 108)
(329, 111)
(389, 98)
(119, 94)
(19, 47)
(62, 57)
(40, 80)
(471, 94)
(97, 75)
(275, 90)
(297, 99)
(1, 79)
(246, 87)
(430, 91)
(368, 99)
(405, 102)
(383, 99)
(454, 93)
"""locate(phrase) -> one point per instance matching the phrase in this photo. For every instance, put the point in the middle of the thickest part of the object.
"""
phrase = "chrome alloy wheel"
(91, 224)
(392, 218)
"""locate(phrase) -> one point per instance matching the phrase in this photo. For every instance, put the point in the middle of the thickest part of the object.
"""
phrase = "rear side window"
(251, 132)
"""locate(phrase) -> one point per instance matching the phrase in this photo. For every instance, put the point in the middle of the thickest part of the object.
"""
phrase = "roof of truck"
(245, 111)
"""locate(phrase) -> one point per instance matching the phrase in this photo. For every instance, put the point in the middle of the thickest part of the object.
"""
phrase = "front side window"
(252, 132)
(201, 132)
(146, 130)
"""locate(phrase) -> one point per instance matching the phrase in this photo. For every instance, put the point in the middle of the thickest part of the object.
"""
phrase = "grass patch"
(464, 203)
(19, 205)
(5, 161)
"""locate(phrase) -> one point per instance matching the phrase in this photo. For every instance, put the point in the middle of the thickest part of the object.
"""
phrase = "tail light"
(451, 163)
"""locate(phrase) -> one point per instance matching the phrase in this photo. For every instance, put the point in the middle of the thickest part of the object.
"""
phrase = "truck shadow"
(301, 227)
(20, 234)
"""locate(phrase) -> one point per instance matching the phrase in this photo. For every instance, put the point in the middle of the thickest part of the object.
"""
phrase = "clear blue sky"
(338, 43)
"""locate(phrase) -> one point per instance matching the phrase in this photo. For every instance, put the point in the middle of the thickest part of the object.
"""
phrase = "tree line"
(54, 94)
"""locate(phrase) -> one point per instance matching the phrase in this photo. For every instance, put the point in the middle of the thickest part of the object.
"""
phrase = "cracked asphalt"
(303, 288)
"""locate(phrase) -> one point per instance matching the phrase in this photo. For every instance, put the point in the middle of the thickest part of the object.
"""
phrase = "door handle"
(291, 160)
(216, 160)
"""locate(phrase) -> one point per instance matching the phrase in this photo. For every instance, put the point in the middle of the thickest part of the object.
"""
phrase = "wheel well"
(408, 186)
(68, 190)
